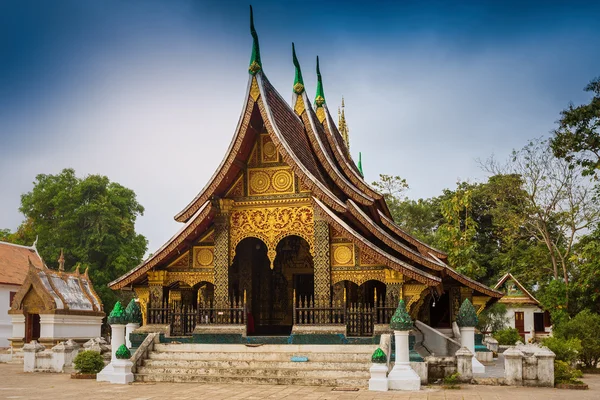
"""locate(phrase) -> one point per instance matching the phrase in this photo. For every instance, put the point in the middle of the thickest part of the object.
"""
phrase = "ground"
(16, 384)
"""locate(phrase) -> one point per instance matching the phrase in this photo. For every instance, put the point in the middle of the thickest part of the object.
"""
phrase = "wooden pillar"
(222, 252)
(156, 281)
(322, 261)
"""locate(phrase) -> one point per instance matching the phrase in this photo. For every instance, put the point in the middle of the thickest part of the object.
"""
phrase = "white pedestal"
(378, 381)
(122, 372)
(117, 339)
(467, 339)
(402, 376)
(130, 327)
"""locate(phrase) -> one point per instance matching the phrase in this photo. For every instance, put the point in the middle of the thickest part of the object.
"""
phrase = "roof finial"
(343, 126)
(61, 261)
(255, 63)
(360, 164)
(35, 241)
(298, 81)
(320, 96)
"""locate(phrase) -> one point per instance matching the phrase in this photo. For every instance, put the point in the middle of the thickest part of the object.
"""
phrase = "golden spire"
(61, 261)
(343, 126)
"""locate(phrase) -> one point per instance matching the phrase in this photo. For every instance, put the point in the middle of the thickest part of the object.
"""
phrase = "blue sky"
(149, 92)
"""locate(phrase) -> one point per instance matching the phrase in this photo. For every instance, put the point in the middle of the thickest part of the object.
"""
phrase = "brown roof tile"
(14, 263)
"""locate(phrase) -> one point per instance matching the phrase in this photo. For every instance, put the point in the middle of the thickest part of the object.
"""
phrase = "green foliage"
(452, 381)
(379, 357)
(493, 318)
(91, 218)
(5, 235)
(508, 336)
(117, 315)
(88, 362)
(467, 315)
(123, 353)
(459, 231)
(565, 373)
(577, 138)
(133, 312)
(401, 320)
(585, 327)
(566, 350)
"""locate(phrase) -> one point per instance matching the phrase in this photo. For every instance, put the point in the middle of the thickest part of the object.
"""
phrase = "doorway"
(32, 327)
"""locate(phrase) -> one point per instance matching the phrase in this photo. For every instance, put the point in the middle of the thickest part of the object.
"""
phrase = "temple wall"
(5, 320)
(56, 326)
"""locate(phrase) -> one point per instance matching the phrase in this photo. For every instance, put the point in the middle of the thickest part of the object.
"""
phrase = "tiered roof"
(311, 144)
(14, 262)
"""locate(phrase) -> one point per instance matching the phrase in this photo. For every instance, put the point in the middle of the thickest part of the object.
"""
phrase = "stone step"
(310, 365)
(339, 382)
(262, 372)
(272, 348)
(255, 356)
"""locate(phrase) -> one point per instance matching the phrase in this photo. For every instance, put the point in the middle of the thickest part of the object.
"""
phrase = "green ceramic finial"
(117, 315)
(320, 96)
(298, 81)
(467, 315)
(255, 63)
(401, 321)
(379, 357)
(133, 312)
(123, 353)
(360, 165)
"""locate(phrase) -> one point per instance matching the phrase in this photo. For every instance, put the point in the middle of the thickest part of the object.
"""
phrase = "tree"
(577, 138)
(91, 218)
(5, 235)
(559, 203)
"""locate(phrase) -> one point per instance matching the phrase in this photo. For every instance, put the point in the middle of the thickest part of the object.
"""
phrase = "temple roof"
(14, 262)
(310, 143)
(514, 292)
(59, 292)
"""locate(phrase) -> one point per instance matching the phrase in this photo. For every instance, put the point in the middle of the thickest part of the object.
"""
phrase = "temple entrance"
(363, 305)
(32, 327)
(270, 291)
(439, 311)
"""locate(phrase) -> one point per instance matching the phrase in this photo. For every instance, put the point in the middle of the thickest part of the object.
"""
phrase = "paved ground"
(15, 384)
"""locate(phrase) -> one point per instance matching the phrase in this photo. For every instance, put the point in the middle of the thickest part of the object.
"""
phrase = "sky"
(149, 92)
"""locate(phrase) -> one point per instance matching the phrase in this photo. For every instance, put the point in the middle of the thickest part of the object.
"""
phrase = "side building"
(287, 236)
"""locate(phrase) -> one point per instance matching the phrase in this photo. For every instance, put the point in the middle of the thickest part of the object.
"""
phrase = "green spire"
(133, 312)
(379, 357)
(255, 63)
(123, 353)
(298, 81)
(467, 315)
(401, 321)
(360, 165)
(117, 315)
(320, 96)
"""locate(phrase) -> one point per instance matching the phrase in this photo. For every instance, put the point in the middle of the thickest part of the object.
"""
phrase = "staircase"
(327, 365)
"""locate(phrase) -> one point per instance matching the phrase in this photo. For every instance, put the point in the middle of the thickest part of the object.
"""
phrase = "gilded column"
(222, 253)
(156, 280)
(322, 260)
(393, 286)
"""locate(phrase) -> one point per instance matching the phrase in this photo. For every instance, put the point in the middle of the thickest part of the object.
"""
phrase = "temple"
(287, 237)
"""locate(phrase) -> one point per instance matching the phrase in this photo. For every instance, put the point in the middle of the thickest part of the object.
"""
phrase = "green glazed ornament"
(133, 313)
(378, 357)
(123, 353)
(117, 315)
(401, 321)
(467, 315)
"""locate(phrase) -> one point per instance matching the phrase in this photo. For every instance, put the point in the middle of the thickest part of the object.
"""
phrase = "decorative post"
(122, 366)
(402, 376)
(117, 320)
(467, 320)
(221, 253)
(464, 364)
(379, 369)
(322, 261)
(134, 320)
(513, 366)
(545, 366)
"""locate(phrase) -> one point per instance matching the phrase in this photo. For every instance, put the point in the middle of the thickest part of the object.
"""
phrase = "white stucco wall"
(528, 311)
(5, 320)
(69, 326)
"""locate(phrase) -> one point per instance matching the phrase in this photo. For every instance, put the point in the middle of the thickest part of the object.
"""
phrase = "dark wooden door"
(520, 322)
(32, 327)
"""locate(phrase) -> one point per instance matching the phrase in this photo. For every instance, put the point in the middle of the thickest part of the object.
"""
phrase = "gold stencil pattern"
(269, 151)
(357, 276)
(268, 181)
(204, 257)
(271, 224)
(343, 254)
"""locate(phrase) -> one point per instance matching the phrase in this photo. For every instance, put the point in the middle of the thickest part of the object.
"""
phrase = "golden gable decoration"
(268, 181)
(269, 151)
(342, 254)
(271, 224)
(204, 257)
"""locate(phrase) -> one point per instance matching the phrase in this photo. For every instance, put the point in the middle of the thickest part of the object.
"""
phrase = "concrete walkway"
(15, 384)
